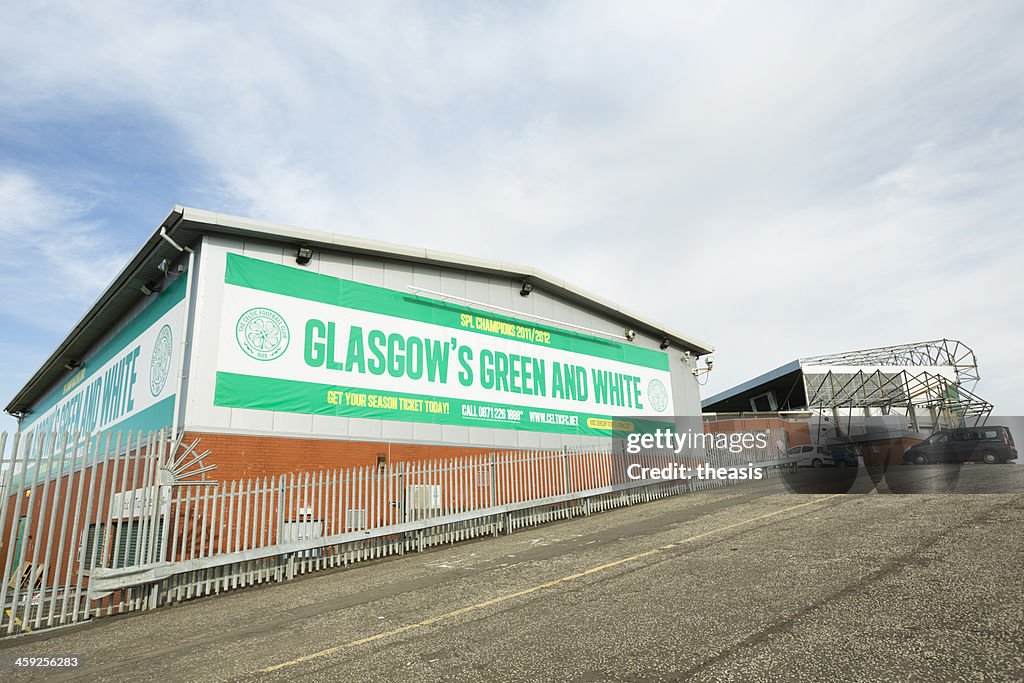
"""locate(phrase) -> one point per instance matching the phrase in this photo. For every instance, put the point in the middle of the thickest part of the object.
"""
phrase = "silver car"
(811, 456)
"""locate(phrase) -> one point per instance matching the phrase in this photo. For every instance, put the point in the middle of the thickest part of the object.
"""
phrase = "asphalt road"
(744, 584)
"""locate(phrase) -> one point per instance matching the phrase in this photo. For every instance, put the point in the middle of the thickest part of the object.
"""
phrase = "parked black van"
(981, 444)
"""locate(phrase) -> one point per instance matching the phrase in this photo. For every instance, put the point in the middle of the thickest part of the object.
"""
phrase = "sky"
(778, 179)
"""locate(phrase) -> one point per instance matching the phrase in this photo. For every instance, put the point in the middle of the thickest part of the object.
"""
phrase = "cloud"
(779, 179)
(56, 260)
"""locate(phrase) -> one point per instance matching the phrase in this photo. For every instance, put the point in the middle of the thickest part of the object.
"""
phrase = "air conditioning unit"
(422, 501)
(355, 519)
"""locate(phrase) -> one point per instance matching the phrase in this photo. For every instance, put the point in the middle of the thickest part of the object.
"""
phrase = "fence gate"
(76, 504)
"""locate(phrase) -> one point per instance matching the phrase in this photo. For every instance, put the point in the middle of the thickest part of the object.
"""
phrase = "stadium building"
(883, 399)
(284, 348)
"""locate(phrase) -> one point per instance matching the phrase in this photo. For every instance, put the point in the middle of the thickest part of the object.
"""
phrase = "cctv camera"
(630, 335)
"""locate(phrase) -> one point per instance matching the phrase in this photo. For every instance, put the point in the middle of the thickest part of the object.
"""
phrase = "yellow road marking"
(532, 589)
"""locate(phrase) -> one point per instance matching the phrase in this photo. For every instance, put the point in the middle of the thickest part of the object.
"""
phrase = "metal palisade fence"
(98, 524)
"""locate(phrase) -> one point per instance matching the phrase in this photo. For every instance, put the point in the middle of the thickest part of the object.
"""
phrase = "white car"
(811, 456)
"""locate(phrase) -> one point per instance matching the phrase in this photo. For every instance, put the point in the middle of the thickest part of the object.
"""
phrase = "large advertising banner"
(128, 384)
(297, 341)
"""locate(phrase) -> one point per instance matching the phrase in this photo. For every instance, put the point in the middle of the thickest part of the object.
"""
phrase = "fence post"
(14, 502)
(51, 530)
(565, 469)
(160, 530)
(493, 466)
(280, 522)
(403, 502)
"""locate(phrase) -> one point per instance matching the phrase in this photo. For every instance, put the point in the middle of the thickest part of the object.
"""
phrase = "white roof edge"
(115, 285)
(348, 242)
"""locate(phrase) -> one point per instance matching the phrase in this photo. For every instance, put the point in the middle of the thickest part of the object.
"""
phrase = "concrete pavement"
(747, 583)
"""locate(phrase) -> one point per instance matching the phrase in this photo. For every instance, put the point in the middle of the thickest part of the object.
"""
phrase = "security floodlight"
(665, 343)
(304, 255)
(527, 288)
(630, 335)
(709, 362)
(72, 364)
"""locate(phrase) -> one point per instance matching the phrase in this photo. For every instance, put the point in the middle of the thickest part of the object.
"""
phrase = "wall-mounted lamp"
(527, 288)
(630, 335)
(304, 255)
(665, 343)
(72, 364)
(149, 288)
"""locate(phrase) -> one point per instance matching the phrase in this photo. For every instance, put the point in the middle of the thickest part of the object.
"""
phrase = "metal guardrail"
(104, 581)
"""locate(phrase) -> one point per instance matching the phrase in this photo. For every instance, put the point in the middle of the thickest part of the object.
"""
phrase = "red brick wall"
(241, 457)
(797, 431)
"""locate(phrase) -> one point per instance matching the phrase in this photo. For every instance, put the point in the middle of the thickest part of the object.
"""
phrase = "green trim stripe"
(158, 416)
(290, 396)
(164, 302)
(275, 278)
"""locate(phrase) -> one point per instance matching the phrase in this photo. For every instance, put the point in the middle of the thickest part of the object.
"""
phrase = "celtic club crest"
(657, 395)
(262, 334)
(160, 362)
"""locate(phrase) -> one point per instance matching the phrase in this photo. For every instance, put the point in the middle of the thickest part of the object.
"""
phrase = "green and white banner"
(297, 341)
(128, 384)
